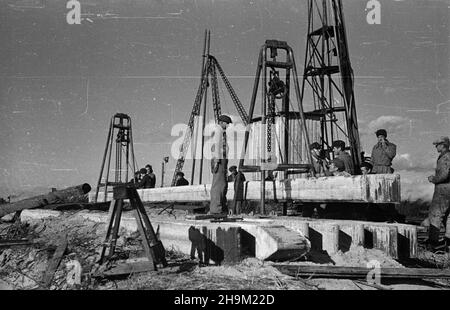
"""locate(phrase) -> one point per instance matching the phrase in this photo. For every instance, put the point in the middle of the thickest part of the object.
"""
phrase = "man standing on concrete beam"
(383, 153)
(340, 153)
(219, 164)
(441, 197)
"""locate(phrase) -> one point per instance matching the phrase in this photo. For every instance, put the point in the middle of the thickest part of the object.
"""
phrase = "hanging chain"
(270, 121)
(240, 108)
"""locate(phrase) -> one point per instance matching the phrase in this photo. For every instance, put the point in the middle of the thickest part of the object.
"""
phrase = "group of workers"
(342, 165)
(383, 153)
(144, 178)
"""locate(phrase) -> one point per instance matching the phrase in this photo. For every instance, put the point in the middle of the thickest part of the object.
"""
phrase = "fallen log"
(361, 272)
(68, 195)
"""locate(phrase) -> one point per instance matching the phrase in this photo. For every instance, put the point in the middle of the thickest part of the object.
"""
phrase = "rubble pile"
(24, 267)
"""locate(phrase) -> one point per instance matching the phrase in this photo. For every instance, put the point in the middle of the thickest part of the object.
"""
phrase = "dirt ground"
(23, 267)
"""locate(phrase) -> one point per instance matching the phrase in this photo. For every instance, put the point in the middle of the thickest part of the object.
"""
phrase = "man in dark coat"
(441, 197)
(233, 175)
(383, 153)
(151, 175)
(366, 168)
(319, 161)
(148, 180)
(137, 178)
(181, 181)
(337, 169)
(340, 153)
(238, 178)
(219, 163)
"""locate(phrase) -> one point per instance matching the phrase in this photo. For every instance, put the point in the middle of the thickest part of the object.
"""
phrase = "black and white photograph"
(224, 152)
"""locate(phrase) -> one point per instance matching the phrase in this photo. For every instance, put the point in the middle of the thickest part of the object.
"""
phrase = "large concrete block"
(280, 243)
(379, 188)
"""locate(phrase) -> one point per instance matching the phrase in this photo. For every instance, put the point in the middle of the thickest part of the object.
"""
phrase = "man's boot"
(433, 243)
(447, 244)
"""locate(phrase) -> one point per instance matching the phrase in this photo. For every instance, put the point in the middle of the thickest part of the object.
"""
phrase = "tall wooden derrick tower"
(327, 87)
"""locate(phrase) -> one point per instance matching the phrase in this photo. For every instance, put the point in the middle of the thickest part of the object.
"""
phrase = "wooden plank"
(196, 217)
(18, 242)
(54, 263)
(227, 219)
(128, 268)
(380, 287)
(361, 272)
(382, 188)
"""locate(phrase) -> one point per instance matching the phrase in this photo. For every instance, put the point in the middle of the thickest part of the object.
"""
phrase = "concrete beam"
(394, 239)
(377, 188)
(280, 243)
(273, 238)
(214, 242)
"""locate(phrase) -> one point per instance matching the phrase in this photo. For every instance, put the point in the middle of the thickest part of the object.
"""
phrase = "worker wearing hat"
(366, 168)
(320, 161)
(147, 178)
(238, 179)
(441, 197)
(340, 153)
(219, 164)
(234, 173)
(337, 168)
(181, 181)
(383, 153)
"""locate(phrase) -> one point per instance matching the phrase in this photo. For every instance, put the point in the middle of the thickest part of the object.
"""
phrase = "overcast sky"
(60, 84)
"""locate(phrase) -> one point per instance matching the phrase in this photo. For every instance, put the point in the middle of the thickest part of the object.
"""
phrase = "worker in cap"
(320, 161)
(151, 175)
(383, 153)
(233, 173)
(442, 141)
(238, 179)
(337, 168)
(381, 132)
(441, 197)
(340, 153)
(137, 177)
(181, 181)
(366, 168)
(146, 180)
(225, 118)
(315, 146)
(219, 164)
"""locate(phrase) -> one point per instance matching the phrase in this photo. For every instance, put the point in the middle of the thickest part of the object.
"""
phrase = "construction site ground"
(23, 267)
